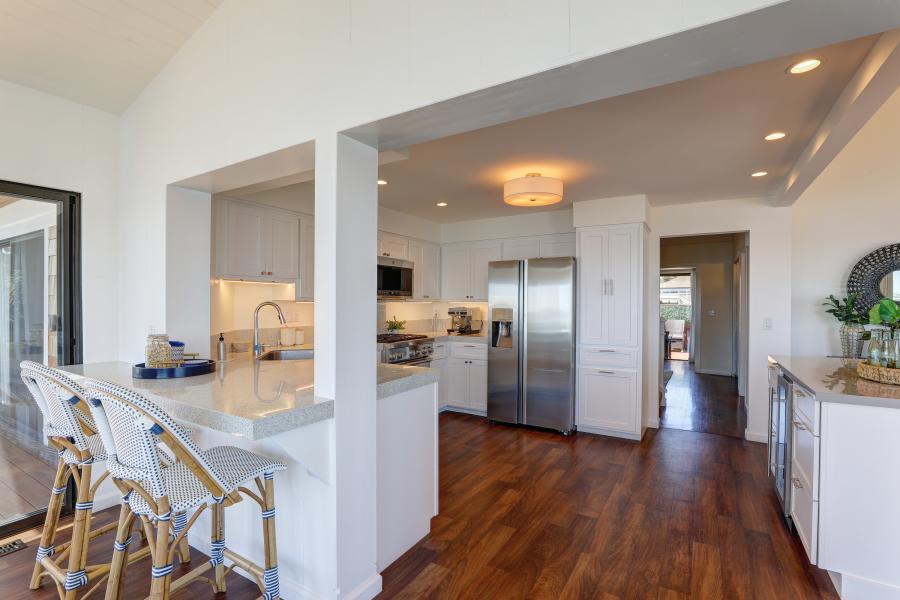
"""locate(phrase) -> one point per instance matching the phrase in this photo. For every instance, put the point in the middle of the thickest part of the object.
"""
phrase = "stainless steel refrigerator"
(531, 352)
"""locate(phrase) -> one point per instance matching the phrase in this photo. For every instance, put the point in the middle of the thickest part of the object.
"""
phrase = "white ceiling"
(97, 52)
(693, 140)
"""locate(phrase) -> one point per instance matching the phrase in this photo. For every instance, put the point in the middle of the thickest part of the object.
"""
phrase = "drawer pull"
(601, 351)
(606, 372)
(469, 346)
(796, 482)
(799, 425)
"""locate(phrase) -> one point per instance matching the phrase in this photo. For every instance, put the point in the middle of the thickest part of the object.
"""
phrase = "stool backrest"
(62, 402)
(132, 426)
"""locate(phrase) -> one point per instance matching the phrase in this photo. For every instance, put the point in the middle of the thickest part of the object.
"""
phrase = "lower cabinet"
(463, 383)
(607, 399)
(444, 382)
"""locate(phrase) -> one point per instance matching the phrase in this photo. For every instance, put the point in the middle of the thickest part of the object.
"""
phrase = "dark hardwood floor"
(529, 514)
(707, 403)
(15, 569)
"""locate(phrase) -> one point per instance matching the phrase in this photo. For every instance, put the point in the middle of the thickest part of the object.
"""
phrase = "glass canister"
(876, 348)
(157, 352)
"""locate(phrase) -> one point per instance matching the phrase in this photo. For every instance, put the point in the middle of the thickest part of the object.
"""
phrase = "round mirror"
(889, 286)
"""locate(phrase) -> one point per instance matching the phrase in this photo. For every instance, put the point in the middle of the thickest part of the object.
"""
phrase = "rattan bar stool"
(73, 433)
(215, 478)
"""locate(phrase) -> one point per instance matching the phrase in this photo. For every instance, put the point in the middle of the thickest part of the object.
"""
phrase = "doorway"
(701, 286)
(40, 320)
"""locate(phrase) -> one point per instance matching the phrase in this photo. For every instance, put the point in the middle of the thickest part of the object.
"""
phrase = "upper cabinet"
(256, 243)
(427, 270)
(464, 269)
(541, 246)
(305, 289)
(392, 245)
(610, 265)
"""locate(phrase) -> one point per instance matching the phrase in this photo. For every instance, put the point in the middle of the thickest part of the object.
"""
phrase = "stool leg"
(48, 534)
(217, 543)
(162, 570)
(270, 575)
(184, 550)
(120, 553)
(81, 528)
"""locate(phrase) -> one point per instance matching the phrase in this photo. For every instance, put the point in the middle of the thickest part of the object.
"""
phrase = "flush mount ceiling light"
(804, 66)
(759, 174)
(382, 182)
(532, 190)
(775, 135)
(442, 204)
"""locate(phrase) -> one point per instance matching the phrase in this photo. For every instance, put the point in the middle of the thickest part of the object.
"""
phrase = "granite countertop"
(836, 380)
(250, 398)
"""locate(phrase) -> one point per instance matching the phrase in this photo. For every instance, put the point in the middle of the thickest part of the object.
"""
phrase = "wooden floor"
(15, 570)
(25, 481)
(707, 403)
(527, 514)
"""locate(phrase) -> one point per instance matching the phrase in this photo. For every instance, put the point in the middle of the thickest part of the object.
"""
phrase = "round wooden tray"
(190, 368)
(879, 374)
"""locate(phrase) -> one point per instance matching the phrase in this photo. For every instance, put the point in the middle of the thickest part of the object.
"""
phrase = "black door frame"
(68, 282)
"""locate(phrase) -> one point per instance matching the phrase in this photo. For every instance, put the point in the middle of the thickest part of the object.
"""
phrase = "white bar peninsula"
(270, 407)
(845, 503)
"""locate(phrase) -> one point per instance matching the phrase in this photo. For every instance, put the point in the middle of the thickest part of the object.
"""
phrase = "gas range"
(406, 349)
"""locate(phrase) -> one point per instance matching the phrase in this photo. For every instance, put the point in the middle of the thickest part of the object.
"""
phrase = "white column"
(345, 368)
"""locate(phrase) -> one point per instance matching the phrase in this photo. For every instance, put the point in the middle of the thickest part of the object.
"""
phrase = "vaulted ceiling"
(97, 52)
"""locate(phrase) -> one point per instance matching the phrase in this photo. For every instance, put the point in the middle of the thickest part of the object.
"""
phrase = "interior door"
(549, 352)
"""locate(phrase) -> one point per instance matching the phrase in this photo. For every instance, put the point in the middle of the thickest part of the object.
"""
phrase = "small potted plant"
(393, 325)
(852, 329)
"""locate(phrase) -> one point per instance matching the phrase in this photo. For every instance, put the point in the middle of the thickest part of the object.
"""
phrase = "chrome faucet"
(257, 347)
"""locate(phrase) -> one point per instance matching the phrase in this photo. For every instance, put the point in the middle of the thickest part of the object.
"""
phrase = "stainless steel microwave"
(395, 278)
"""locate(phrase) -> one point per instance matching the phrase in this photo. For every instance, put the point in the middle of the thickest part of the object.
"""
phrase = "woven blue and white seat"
(72, 431)
(132, 427)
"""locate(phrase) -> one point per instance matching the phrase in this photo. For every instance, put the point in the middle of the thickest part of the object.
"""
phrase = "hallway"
(705, 403)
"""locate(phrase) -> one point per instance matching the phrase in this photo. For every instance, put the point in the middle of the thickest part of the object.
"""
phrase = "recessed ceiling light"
(759, 174)
(775, 135)
(442, 204)
(804, 66)
(382, 182)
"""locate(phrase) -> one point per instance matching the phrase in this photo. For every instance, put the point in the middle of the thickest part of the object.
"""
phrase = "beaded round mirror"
(876, 276)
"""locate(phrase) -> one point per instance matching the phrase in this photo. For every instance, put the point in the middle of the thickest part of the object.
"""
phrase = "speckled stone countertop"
(249, 398)
(836, 380)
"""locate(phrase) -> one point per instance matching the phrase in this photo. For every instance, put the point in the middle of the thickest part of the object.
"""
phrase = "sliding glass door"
(39, 321)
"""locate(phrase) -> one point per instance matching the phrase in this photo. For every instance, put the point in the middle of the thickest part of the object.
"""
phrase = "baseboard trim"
(366, 590)
(713, 372)
(756, 436)
(609, 433)
(465, 411)
(860, 588)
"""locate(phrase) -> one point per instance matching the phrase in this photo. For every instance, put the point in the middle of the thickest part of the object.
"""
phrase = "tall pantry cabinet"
(611, 270)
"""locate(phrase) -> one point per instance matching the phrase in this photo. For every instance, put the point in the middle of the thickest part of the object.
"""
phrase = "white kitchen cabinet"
(610, 267)
(466, 385)
(552, 246)
(392, 245)
(464, 269)
(477, 395)
(606, 399)
(256, 243)
(442, 366)
(305, 288)
(427, 270)
(521, 248)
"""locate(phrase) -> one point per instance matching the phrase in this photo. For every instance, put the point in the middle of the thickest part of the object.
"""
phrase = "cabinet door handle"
(612, 287)
(268, 272)
(606, 372)
(796, 482)
(799, 425)
(605, 286)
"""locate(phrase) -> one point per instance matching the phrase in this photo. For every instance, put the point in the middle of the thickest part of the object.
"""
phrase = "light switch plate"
(767, 324)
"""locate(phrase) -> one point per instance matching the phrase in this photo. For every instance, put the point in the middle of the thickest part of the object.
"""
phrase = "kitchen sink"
(287, 355)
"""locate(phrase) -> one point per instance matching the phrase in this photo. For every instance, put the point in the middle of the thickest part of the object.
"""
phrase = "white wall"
(408, 225)
(51, 142)
(769, 286)
(849, 211)
(712, 261)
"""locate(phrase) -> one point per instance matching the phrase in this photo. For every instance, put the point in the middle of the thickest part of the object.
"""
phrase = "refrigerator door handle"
(523, 347)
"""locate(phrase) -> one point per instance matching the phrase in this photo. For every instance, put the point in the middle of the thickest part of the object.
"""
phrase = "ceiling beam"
(877, 78)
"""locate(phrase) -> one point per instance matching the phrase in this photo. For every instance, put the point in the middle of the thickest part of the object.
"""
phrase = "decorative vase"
(851, 340)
